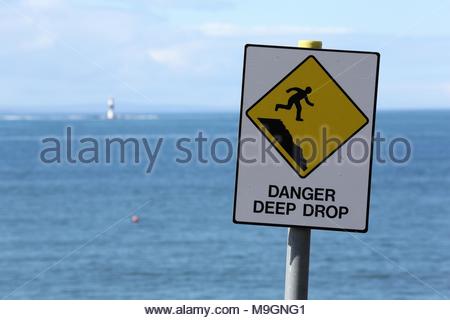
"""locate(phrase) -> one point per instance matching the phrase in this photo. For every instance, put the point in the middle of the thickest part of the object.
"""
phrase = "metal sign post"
(298, 242)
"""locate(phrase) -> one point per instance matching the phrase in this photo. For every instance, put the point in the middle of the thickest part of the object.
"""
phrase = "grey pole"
(298, 243)
(297, 264)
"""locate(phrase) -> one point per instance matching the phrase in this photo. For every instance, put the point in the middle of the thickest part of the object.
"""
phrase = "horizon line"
(196, 110)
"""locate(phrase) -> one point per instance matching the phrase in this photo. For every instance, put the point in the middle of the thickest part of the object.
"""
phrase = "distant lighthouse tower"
(110, 113)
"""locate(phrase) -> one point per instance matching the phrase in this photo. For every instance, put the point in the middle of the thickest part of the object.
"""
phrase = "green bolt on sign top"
(313, 111)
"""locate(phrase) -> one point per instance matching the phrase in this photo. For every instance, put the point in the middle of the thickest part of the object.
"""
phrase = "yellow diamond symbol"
(307, 116)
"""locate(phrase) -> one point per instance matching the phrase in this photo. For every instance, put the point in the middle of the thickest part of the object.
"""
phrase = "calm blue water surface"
(65, 231)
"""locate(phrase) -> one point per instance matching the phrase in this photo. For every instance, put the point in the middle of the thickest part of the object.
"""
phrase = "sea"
(66, 230)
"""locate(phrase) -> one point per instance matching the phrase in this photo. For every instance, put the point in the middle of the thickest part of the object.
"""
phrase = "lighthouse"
(110, 113)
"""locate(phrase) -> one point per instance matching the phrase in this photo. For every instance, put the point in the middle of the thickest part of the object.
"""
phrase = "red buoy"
(134, 218)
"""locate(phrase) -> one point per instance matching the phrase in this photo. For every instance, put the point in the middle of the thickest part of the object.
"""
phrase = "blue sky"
(156, 55)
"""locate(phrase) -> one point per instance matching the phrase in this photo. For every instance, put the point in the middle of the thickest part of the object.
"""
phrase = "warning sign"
(295, 112)
(306, 115)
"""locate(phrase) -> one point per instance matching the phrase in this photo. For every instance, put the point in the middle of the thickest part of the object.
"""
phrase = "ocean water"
(65, 229)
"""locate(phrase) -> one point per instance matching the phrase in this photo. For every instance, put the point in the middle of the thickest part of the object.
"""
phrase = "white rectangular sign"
(305, 137)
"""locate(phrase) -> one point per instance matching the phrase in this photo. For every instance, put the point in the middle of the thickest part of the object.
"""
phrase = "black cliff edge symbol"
(285, 139)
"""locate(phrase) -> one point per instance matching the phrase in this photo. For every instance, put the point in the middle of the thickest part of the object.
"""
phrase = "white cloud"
(41, 41)
(40, 5)
(178, 57)
(446, 87)
(171, 57)
(218, 29)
